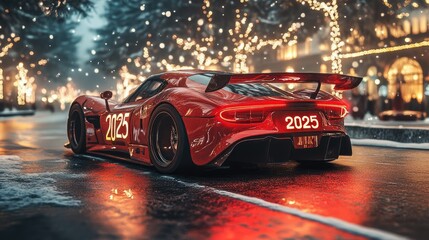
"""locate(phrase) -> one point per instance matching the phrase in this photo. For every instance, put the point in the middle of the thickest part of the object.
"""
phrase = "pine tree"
(57, 44)
(135, 25)
(45, 35)
(41, 36)
(37, 34)
(359, 15)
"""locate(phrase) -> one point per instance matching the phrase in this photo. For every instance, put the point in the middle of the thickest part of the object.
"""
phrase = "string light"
(21, 82)
(4, 51)
(243, 39)
(129, 82)
(387, 4)
(30, 90)
(384, 50)
(47, 10)
(246, 42)
(13, 39)
(66, 94)
(1, 84)
(331, 10)
(278, 42)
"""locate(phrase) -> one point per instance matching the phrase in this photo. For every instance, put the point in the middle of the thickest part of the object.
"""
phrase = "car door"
(119, 122)
(138, 118)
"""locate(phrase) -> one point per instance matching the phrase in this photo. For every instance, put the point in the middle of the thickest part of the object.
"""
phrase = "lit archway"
(405, 75)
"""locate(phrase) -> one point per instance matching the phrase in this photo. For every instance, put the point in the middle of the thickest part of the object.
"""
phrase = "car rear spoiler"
(341, 82)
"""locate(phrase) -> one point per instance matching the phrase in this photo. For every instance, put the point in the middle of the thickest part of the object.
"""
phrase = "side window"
(152, 88)
(148, 89)
(203, 79)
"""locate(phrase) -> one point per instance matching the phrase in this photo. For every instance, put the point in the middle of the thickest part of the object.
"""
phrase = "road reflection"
(44, 131)
(328, 190)
(117, 200)
(240, 220)
(332, 190)
(18, 131)
(129, 201)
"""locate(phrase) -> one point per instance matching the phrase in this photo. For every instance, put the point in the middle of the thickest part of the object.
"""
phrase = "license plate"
(306, 141)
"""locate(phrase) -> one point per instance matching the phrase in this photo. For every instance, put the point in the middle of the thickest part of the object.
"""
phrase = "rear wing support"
(314, 95)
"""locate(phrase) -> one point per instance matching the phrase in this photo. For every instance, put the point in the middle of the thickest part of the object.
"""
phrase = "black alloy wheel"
(168, 141)
(76, 130)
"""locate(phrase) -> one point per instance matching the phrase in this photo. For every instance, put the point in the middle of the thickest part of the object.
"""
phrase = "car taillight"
(243, 115)
(334, 111)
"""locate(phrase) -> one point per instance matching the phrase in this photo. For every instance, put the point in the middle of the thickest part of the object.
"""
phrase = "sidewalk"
(14, 112)
(399, 134)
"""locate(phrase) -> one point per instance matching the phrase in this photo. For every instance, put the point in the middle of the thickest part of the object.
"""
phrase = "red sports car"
(181, 119)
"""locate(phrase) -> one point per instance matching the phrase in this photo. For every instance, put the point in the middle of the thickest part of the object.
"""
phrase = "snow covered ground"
(19, 189)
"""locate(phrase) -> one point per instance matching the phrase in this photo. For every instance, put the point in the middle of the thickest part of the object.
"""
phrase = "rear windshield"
(245, 89)
(254, 90)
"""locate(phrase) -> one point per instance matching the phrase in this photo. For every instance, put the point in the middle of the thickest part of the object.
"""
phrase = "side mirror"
(106, 95)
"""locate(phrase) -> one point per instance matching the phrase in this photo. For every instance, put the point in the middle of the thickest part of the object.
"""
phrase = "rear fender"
(92, 108)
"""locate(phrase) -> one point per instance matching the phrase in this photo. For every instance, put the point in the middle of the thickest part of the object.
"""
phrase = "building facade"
(395, 66)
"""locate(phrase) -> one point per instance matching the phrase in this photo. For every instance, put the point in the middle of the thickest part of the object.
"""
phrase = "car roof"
(188, 72)
(178, 77)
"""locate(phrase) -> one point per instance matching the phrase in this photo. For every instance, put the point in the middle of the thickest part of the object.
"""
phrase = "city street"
(46, 192)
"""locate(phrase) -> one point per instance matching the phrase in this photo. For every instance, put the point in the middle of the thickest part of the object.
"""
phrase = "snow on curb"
(393, 125)
(14, 112)
(391, 144)
(19, 189)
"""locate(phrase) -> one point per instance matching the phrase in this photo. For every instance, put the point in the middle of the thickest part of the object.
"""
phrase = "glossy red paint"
(209, 137)
(215, 121)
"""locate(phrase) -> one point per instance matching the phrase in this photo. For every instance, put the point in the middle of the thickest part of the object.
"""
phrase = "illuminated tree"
(46, 41)
(36, 34)
(151, 36)
(48, 48)
(19, 15)
(238, 29)
(276, 15)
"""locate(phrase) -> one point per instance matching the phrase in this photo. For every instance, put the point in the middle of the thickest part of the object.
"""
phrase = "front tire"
(76, 129)
(168, 141)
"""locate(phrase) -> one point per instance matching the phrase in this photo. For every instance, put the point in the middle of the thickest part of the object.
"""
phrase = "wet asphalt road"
(46, 192)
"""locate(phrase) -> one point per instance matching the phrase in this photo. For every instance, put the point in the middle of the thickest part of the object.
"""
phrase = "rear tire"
(76, 129)
(168, 141)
